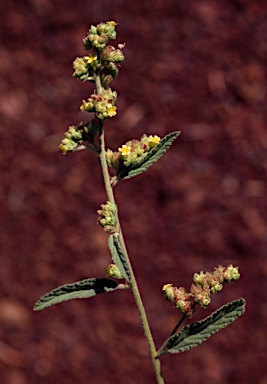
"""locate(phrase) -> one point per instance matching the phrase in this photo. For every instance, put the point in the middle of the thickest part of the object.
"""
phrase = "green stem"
(135, 290)
(161, 349)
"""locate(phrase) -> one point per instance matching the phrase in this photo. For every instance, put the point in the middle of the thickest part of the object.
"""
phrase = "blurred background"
(194, 66)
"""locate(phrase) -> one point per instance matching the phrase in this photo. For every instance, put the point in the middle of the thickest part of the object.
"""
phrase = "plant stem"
(178, 325)
(162, 348)
(135, 290)
(134, 286)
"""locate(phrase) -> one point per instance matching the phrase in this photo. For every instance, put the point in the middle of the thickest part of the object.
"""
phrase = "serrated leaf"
(118, 256)
(150, 158)
(79, 290)
(194, 334)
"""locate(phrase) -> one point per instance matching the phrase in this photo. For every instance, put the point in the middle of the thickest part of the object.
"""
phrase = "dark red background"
(194, 66)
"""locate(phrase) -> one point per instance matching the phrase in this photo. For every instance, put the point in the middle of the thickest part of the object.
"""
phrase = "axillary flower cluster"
(100, 67)
(108, 216)
(131, 152)
(203, 285)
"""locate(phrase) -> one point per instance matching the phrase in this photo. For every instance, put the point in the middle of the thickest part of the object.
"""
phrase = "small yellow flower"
(153, 141)
(112, 110)
(63, 149)
(125, 150)
(89, 59)
(112, 23)
(83, 106)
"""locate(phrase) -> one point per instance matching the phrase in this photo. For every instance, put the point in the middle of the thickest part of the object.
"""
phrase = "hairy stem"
(134, 286)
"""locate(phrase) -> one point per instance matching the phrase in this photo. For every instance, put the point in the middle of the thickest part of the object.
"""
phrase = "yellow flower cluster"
(132, 151)
(84, 67)
(102, 104)
(72, 138)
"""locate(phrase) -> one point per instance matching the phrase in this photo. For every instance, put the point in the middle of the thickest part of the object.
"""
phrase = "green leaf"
(194, 334)
(79, 290)
(118, 256)
(150, 158)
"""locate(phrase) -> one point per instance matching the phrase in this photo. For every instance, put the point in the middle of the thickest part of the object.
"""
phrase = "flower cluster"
(98, 36)
(105, 58)
(111, 54)
(131, 152)
(108, 216)
(84, 67)
(180, 298)
(72, 138)
(102, 104)
(100, 67)
(203, 285)
(75, 135)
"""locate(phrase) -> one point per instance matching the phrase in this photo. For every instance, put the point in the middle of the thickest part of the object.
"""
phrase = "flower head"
(153, 141)
(125, 150)
(90, 59)
(112, 23)
(112, 110)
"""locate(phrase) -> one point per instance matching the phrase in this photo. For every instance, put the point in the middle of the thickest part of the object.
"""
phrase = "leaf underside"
(118, 256)
(79, 290)
(194, 334)
(153, 155)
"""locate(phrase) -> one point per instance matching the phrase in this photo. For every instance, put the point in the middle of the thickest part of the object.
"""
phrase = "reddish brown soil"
(194, 66)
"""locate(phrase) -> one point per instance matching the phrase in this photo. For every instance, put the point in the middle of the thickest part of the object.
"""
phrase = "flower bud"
(201, 294)
(79, 66)
(113, 271)
(210, 280)
(185, 306)
(67, 145)
(218, 274)
(205, 302)
(113, 159)
(87, 106)
(231, 273)
(115, 56)
(216, 288)
(199, 278)
(106, 80)
(106, 52)
(87, 43)
(109, 68)
(168, 292)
